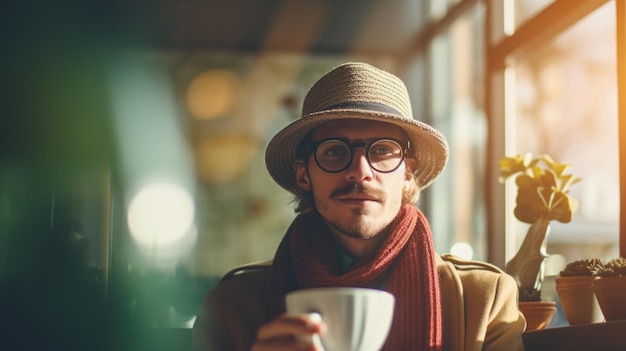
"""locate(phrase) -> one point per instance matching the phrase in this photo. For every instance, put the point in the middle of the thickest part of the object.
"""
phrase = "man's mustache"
(358, 189)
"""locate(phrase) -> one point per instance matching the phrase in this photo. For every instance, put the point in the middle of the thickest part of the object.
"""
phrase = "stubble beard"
(358, 227)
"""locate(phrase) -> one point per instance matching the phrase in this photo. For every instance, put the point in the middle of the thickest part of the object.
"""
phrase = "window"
(549, 86)
(566, 106)
(457, 209)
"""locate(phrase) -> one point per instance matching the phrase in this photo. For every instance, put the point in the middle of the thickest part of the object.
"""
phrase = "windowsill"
(609, 336)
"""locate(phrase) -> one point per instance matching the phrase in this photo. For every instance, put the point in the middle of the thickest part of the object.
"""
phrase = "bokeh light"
(463, 250)
(160, 214)
(224, 157)
(212, 94)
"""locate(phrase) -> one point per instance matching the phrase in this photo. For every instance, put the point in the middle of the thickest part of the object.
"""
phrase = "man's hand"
(290, 332)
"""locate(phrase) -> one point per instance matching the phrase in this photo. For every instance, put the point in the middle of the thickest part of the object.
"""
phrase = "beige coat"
(479, 306)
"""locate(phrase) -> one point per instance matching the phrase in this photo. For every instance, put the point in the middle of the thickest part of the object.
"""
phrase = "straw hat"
(362, 92)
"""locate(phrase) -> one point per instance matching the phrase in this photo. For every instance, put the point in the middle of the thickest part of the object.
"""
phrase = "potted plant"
(542, 196)
(609, 289)
(575, 287)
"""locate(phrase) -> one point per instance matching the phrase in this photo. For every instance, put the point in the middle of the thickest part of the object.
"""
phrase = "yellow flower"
(513, 165)
(542, 187)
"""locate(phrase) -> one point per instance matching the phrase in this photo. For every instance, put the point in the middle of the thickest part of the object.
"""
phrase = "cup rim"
(339, 291)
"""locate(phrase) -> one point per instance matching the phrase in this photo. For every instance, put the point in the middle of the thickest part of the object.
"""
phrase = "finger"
(289, 325)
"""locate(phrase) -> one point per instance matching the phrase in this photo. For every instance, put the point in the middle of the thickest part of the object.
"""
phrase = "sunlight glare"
(160, 214)
(463, 250)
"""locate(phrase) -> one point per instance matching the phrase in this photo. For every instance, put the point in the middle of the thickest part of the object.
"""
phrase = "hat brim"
(428, 146)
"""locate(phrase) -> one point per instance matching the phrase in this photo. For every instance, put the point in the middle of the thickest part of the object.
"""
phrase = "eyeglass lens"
(383, 155)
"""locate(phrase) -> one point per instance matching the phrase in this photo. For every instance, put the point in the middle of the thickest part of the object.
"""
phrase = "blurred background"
(132, 138)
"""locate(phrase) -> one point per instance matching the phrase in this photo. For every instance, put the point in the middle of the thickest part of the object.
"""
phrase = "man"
(356, 162)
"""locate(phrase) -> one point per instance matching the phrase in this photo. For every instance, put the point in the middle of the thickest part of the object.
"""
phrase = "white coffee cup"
(358, 319)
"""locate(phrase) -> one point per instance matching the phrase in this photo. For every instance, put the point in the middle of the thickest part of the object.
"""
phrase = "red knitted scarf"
(405, 262)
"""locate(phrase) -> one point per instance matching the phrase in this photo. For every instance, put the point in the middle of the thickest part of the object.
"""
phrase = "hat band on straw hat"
(365, 105)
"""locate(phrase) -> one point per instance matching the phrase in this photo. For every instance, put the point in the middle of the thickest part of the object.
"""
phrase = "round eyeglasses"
(335, 155)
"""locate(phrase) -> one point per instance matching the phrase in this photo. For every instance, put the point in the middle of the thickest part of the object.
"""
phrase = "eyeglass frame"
(314, 145)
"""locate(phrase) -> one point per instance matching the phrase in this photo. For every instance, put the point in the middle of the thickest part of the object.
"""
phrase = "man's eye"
(382, 150)
(335, 151)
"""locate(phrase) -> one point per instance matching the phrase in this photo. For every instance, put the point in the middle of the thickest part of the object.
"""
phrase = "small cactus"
(614, 267)
(587, 267)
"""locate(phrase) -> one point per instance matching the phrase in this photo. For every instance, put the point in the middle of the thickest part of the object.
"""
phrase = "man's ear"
(302, 176)
(410, 167)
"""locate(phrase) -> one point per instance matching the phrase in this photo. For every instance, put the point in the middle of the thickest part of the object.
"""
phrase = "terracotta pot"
(538, 314)
(579, 300)
(611, 297)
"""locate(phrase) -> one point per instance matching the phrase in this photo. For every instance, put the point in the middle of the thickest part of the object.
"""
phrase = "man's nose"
(360, 169)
